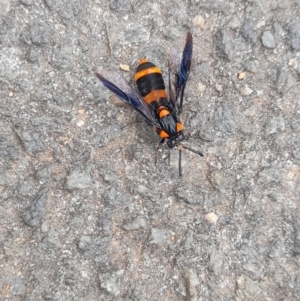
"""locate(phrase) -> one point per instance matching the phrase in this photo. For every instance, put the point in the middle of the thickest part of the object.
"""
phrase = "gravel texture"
(89, 210)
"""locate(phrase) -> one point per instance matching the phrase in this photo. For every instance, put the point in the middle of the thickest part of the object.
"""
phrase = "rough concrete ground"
(89, 211)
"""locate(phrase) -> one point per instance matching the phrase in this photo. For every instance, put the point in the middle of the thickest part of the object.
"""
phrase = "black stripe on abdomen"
(150, 82)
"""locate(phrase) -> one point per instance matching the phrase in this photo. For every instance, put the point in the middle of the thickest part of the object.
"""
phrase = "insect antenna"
(180, 147)
(193, 150)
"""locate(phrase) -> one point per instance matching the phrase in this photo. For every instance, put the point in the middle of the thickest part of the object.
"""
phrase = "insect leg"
(161, 143)
(179, 163)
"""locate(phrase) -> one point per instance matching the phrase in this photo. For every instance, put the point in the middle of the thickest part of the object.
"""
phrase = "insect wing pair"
(152, 101)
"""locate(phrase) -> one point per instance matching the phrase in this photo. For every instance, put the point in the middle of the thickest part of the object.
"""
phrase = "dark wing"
(180, 63)
(119, 86)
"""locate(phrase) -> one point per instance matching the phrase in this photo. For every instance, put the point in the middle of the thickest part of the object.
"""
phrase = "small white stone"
(201, 87)
(199, 21)
(80, 123)
(124, 67)
(241, 75)
(293, 63)
(211, 217)
(219, 87)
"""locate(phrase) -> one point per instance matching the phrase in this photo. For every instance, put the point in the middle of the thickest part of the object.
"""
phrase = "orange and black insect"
(152, 100)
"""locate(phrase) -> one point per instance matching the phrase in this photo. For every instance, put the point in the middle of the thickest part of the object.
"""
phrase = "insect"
(152, 101)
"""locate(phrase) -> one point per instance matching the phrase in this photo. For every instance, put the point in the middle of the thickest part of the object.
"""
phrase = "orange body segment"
(179, 127)
(142, 61)
(162, 113)
(144, 72)
(154, 95)
(163, 134)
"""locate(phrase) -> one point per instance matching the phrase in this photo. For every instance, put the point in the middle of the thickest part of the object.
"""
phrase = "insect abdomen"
(150, 83)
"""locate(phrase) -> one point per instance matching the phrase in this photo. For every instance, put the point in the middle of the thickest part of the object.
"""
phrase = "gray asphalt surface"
(90, 211)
